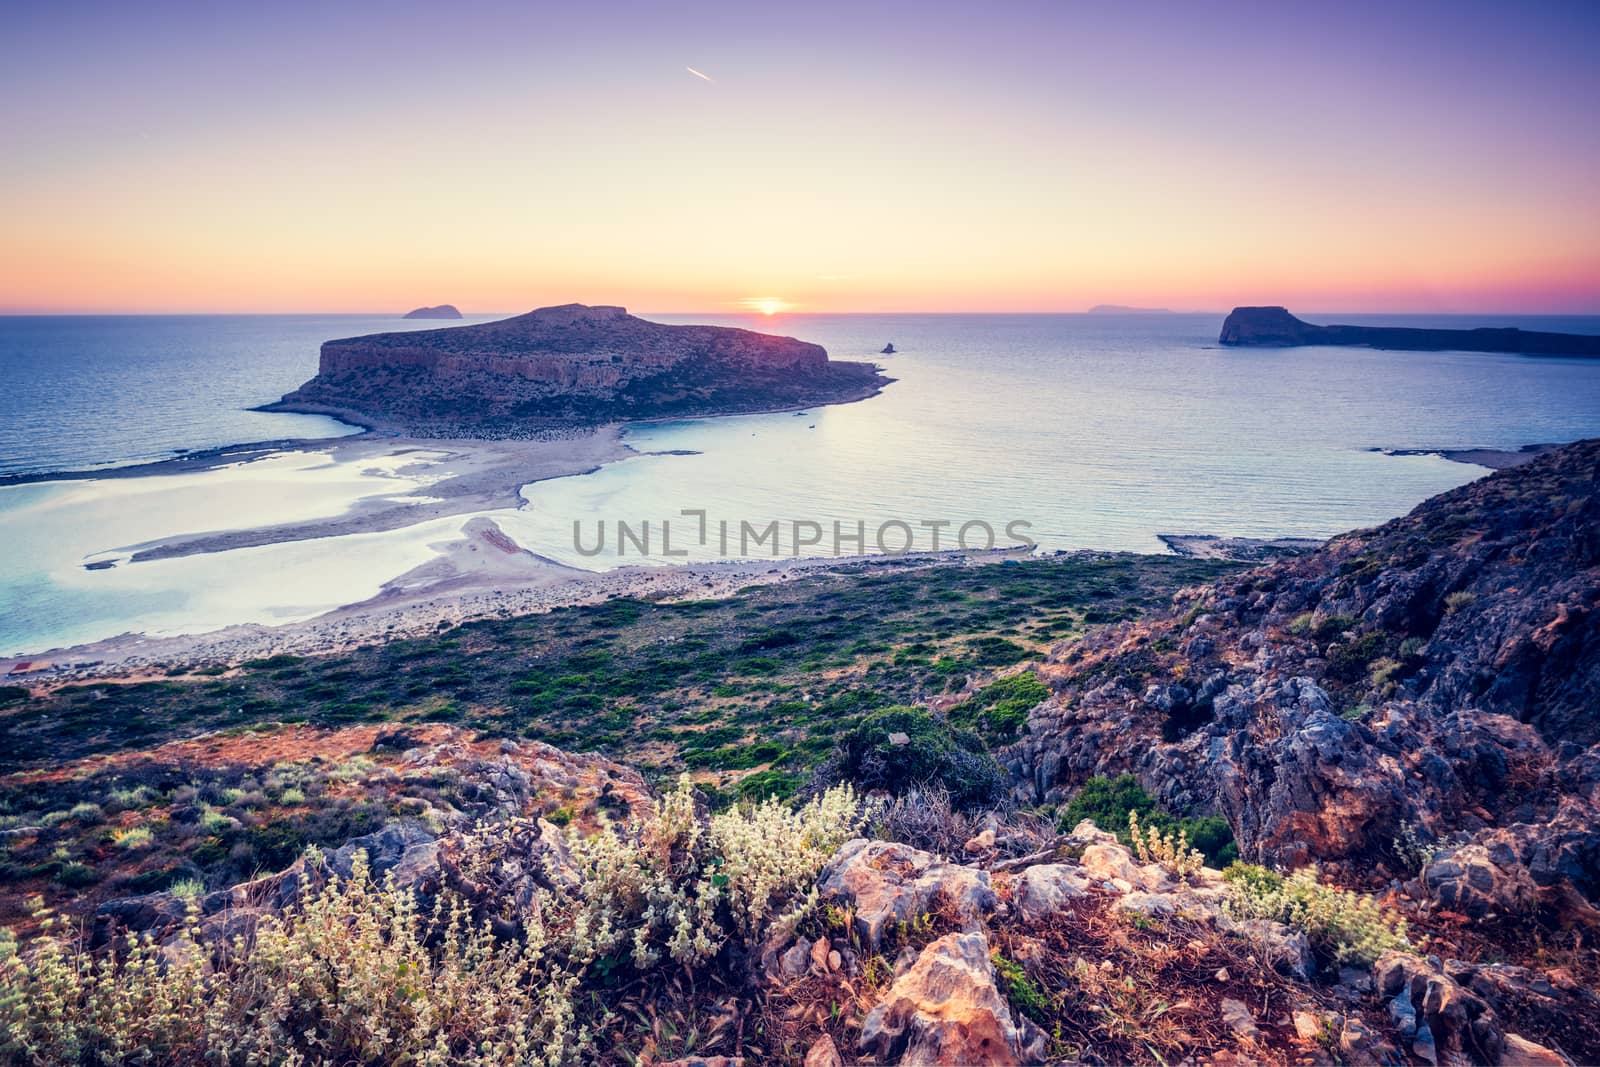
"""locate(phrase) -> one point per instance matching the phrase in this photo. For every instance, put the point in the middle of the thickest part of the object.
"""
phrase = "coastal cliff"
(1276, 327)
(571, 365)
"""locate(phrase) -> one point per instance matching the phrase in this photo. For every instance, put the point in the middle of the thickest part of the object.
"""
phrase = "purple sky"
(936, 156)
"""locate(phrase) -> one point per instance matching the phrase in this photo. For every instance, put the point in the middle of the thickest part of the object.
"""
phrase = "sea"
(1068, 431)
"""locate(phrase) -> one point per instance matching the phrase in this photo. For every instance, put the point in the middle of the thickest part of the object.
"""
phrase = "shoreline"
(484, 574)
(1495, 459)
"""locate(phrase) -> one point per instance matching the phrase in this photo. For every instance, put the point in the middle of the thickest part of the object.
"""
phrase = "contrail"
(697, 74)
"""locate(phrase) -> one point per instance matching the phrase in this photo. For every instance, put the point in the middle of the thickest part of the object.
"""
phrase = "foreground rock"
(570, 365)
(1274, 326)
(889, 884)
(944, 1009)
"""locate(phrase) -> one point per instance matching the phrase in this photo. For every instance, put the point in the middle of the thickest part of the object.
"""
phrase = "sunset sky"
(835, 156)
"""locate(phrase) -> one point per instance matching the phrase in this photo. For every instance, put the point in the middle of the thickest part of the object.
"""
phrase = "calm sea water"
(1095, 431)
(86, 391)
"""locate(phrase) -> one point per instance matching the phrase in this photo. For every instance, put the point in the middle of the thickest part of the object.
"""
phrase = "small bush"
(1109, 801)
(1349, 927)
(1350, 661)
(999, 711)
(1173, 853)
(933, 752)
(1023, 993)
(136, 838)
(86, 813)
(187, 888)
(1459, 601)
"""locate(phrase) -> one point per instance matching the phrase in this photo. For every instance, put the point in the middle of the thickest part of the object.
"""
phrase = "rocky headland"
(565, 366)
(1275, 327)
(439, 311)
(1418, 699)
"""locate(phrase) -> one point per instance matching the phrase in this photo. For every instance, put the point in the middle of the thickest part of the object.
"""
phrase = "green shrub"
(76, 875)
(1349, 927)
(1000, 711)
(1023, 993)
(764, 784)
(1351, 660)
(135, 838)
(86, 813)
(1330, 626)
(1459, 601)
(933, 752)
(1109, 802)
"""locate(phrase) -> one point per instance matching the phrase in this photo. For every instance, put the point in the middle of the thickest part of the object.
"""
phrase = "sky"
(824, 157)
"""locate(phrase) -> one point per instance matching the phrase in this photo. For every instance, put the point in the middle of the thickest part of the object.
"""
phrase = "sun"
(766, 305)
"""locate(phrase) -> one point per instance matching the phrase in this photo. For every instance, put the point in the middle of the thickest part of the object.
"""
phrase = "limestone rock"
(887, 883)
(1238, 1018)
(1468, 880)
(824, 1053)
(1521, 1052)
(1047, 889)
(1429, 1008)
(944, 1009)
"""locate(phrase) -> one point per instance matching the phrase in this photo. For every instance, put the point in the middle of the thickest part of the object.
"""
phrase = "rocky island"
(572, 365)
(1275, 327)
(441, 311)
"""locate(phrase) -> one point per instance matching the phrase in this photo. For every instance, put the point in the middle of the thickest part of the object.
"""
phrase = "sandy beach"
(464, 477)
(483, 574)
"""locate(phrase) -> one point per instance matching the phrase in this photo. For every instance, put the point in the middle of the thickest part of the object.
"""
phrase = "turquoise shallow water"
(1096, 431)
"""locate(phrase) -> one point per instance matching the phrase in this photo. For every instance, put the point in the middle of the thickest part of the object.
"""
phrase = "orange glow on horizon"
(766, 305)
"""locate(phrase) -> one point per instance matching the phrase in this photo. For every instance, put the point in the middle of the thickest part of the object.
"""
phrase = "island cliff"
(442, 311)
(1274, 326)
(570, 365)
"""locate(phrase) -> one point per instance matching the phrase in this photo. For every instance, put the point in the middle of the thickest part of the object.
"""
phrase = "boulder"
(1468, 880)
(1288, 950)
(1439, 1018)
(1524, 1053)
(1047, 889)
(885, 883)
(824, 1053)
(1237, 1017)
(944, 1009)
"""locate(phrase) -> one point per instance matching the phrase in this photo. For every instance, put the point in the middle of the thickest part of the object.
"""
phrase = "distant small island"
(1275, 327)
(442, 311)
(569, 366)
(1124, 309)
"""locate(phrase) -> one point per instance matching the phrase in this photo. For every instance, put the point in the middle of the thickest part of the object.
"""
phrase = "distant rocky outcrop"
(571, 365)
(1275, 327)
(441, 311)
(1414, 700)
(1126, 309)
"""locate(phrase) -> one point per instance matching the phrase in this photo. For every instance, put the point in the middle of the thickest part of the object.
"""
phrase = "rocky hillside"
(1422, 696)
(570, 365)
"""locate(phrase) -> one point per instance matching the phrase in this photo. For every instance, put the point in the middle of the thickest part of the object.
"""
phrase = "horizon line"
(781, 315)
